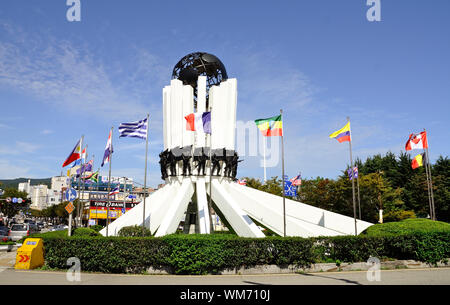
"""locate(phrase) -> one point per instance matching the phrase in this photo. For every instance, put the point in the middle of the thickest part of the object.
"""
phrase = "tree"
(11, 209)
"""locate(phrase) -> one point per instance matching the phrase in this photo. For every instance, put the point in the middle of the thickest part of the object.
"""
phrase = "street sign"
(70, 194)
(14, 200)
(289, 189)
(69, 207)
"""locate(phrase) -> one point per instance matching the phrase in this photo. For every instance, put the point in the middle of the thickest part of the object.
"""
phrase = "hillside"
(14, 183)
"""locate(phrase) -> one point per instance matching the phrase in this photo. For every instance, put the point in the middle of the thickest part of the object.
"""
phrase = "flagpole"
(431, 182)
(359, 200)
(428, 183)
(353, 180)
(109, 184)
(145, 178)
(79, 186)
(210, 170)
(264, 155)
(282, 164)
(84, 185)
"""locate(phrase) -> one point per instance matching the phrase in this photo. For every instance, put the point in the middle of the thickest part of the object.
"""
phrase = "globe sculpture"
(199, 168)
(193, 65)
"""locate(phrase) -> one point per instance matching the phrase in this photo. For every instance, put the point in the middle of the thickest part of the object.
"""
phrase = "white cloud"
(72, 78)
(47, 131)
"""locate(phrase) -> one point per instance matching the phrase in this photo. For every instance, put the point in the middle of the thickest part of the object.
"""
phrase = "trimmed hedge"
(408, 226)
(203, 254)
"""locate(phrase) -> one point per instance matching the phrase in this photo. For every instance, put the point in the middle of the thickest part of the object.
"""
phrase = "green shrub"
(202, 254)
(85, 232)
(408, 226)
(96, 227)
(133, 231)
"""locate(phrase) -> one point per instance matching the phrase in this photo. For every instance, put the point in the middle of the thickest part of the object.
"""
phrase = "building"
(25, 187)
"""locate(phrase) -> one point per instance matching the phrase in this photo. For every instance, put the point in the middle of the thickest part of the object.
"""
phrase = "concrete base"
(240, 206)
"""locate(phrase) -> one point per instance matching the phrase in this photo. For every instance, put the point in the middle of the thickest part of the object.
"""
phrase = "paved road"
(429, 276)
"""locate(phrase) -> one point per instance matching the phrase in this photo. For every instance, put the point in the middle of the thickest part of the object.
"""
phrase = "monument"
(201, 167)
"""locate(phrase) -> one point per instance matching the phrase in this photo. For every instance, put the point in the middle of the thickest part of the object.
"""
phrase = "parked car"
(59, 227)
(18, 231)
(4, 231)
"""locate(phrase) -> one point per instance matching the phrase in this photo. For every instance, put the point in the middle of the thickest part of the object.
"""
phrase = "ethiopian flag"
(271, 126)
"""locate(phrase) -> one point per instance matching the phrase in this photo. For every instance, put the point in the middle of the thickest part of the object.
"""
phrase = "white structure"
(60, 182)
(25, 187)
(39, 196)
(240, 205)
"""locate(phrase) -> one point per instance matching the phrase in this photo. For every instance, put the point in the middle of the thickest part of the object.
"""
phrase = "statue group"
(170, 158)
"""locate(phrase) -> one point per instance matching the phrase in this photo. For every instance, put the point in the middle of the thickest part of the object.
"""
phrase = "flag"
(85, 168)
(81, 160)
(199, 121)
(242, 182)
(355, 173)
(417, 141)
(74, 155)
(297, 180)
(94, 177)
(342, 134)
(271, 126)
(134, 129)
(108, 150)
(417, 161)
(114, 191)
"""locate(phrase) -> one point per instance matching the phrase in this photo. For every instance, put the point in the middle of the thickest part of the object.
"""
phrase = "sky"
(320, 61)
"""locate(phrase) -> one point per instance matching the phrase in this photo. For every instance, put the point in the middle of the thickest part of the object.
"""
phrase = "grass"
(408, 226)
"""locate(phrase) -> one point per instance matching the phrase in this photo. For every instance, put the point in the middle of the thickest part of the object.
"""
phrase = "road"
(428, 276)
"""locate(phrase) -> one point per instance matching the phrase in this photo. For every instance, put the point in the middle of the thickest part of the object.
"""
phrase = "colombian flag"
(271, 126)
(342, 134)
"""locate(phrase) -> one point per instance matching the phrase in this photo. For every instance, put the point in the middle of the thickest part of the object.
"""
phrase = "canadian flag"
(417, 141)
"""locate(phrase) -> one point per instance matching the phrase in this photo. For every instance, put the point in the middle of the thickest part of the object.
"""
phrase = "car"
(4, 233)
(59, 228)
(18, 231)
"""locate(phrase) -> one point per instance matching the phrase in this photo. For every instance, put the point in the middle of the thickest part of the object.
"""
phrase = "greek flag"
(135, 129)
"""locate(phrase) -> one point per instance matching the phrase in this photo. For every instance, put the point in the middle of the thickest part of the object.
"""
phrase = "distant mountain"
(14, 183)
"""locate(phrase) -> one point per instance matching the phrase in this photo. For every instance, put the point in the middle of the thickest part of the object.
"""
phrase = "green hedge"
(202, 254)
(408, 226)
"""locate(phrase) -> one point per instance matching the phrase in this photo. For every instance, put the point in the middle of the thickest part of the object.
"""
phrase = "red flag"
(418, 141)
(74, 155)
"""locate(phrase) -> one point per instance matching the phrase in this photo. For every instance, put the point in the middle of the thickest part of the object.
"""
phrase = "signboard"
(14, 200)
(70, 195)
(101, 213)
(19, 200)
(8, 199)
(69, 207)
(289, 189)
(112, 204)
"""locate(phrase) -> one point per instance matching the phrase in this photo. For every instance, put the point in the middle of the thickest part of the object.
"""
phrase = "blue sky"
(320, 61)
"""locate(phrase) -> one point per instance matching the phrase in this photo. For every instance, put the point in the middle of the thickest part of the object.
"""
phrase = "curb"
(8, 248)
(322, 267)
